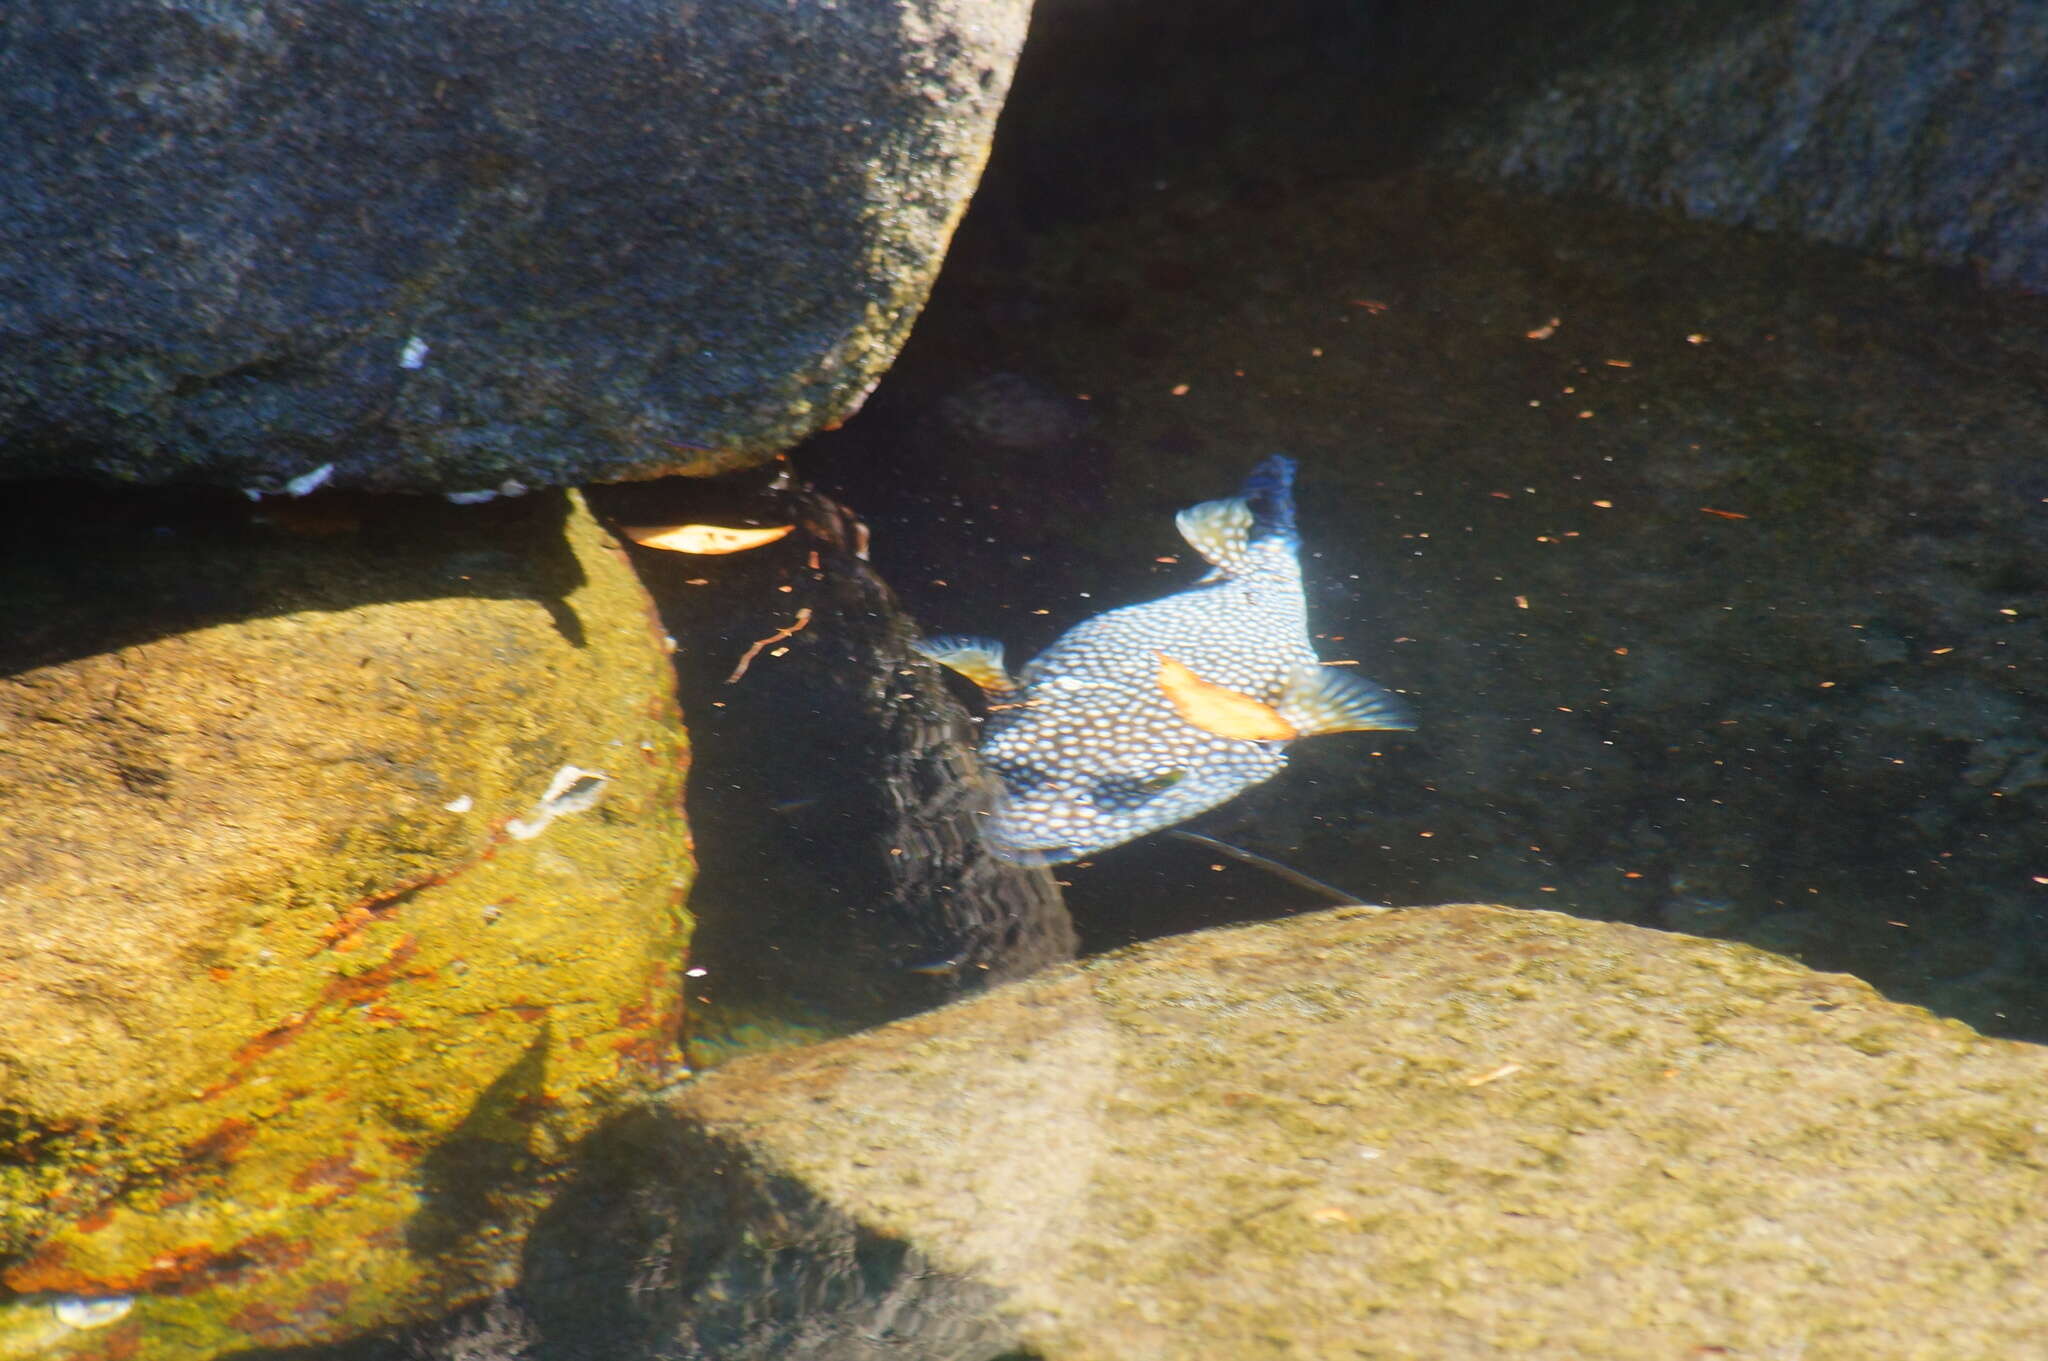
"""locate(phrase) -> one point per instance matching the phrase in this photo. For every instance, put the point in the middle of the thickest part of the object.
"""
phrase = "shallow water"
(1710, 561)
(1712, 564)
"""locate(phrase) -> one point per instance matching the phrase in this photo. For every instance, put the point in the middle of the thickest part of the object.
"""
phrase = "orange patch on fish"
(704, 538)
(1218, 708)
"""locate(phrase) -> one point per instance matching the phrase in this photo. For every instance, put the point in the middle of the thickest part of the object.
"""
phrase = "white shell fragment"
(306, 483)
(573, 790)
(414, 355)
(511, 486)
(80, 1311)
(461, 805)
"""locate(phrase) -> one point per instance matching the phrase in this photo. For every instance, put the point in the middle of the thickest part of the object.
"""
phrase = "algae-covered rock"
(340, 877)
(438, 245)
(1455, 1132)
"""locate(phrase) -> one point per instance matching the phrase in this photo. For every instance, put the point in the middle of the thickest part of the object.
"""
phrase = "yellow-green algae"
(1463, 1131)
(297, 1035)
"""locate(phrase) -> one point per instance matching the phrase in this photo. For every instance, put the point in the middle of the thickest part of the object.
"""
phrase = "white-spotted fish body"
(1145, 716)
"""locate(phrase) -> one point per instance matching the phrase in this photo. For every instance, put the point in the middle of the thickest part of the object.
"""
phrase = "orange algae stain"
(222, 1142)
(371, 984)
(323, 1302)
(45, 1264)
(339, 1170)
(259, 1321)
(170, 1269)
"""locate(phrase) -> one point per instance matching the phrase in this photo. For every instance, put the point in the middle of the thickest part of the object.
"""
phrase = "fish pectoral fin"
(978, 659)
(1219, 531)
(1218, 708)
(1321, 700)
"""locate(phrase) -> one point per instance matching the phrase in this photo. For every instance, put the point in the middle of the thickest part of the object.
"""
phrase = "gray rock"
(1907, 127)
(439, 245)
(1465, 1131)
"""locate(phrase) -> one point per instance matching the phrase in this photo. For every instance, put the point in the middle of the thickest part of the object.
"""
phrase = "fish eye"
(1123, 791)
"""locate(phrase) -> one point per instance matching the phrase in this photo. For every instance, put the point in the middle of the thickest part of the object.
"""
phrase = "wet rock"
(1446, 1132)
(836, 797)
(294, 1022)
(442, 246)
(1904, 127)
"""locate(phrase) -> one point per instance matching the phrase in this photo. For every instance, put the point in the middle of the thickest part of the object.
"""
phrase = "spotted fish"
(1144, 716)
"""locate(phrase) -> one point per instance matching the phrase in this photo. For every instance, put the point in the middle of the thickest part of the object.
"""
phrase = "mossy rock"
(301, 993)
(1453, 1132)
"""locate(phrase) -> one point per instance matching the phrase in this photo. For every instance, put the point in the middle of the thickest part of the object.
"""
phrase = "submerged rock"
(1901, 127)
(836, 797)
(1460, 1131)
(437, 246)
(294, 1019)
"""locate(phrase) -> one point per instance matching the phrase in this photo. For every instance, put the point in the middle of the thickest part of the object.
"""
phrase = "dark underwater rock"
(441, 245)
(836, 797)
(1906, 127)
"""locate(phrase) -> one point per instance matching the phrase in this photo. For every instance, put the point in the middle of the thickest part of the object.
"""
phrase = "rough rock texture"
(300, 991)
(1911, 127)
(835, 790)
(1454, 1132)
(444, 244)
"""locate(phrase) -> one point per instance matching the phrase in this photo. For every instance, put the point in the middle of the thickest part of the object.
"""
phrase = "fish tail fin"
(1223, 531)
(978, 659)
(1269, 492)
(1321, 700)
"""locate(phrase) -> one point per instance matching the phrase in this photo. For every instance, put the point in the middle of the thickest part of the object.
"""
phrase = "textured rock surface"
(297, 1001)
(834, 791)
(443, 244)
(1452, 1132)
(1910, 127)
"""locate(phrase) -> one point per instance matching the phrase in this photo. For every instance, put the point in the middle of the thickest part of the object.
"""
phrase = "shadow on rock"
(89, 569)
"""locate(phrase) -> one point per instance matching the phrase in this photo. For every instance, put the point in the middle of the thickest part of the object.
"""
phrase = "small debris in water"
(704, 539)
(307, 483)
(573, 790)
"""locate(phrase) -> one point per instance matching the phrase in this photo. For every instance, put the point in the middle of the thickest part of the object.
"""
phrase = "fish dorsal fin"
(1218, 708)
(1318, 699)
(978, 659)
(1219, 531)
